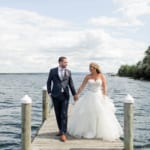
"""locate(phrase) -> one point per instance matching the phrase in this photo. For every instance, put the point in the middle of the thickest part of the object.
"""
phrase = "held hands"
(75, 97)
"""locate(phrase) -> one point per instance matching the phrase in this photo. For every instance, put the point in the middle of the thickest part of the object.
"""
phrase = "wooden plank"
(46, 139)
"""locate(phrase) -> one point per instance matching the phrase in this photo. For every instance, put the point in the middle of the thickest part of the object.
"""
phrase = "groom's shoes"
(63, 138)
(59, 134)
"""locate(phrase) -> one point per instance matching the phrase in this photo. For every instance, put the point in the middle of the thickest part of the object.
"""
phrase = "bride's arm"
(82, 86)
(104, 85)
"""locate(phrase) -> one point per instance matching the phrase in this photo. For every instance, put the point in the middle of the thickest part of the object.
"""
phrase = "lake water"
(14, 86)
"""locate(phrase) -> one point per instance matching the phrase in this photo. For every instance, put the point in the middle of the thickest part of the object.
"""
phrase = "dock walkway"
(46, 139)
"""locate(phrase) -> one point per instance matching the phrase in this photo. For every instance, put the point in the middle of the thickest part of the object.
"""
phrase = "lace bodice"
(94, 85)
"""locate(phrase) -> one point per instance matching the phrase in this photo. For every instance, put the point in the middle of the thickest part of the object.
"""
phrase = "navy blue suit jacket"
(55, 84)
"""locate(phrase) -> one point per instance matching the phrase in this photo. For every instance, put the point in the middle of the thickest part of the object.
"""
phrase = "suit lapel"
(57, 73)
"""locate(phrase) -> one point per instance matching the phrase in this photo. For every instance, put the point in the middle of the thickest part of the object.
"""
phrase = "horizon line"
(46, 72)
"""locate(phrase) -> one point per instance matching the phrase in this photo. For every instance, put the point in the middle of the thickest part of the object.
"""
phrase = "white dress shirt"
(61, 73)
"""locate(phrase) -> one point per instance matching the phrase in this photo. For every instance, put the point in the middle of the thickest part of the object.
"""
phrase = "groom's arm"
(49, 82)
(71, 85)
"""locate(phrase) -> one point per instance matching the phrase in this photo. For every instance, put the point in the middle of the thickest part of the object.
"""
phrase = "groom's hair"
(61, 58)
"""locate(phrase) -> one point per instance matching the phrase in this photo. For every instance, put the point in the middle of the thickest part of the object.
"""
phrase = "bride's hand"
(75, 97)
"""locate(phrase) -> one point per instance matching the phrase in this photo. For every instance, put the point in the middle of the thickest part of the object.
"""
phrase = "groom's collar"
(60, 68)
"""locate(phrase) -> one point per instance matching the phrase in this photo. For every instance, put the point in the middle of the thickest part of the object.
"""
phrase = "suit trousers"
(61, 112)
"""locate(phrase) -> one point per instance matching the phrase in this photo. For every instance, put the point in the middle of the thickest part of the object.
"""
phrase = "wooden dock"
(46, 139)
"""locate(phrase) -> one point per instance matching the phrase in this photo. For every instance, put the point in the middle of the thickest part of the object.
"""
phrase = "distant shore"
(139, 71)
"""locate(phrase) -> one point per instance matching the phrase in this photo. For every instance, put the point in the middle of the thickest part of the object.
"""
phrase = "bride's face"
(92, 69)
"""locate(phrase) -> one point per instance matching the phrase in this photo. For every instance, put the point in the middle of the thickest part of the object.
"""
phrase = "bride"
(93, 115)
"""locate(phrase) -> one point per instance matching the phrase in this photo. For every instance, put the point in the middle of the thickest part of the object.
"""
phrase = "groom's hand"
(49, 95)
(75, 97)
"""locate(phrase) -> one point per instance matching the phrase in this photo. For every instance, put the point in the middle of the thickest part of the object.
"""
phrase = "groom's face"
(63, 63)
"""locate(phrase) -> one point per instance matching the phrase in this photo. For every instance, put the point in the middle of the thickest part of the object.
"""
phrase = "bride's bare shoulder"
(103, 78)
(88, 76)
(101, 75)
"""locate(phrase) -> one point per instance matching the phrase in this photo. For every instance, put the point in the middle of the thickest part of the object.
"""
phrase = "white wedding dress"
(93, 115)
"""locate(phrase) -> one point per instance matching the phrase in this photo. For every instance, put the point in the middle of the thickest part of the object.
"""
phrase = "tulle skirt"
(93, 116)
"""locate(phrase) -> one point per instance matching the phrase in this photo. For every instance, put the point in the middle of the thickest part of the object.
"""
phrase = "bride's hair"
(96, 66)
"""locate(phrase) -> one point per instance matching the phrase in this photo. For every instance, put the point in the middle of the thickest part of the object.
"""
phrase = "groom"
(58, 84)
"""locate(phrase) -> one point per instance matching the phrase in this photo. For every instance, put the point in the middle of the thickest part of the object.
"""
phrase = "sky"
(34, 33)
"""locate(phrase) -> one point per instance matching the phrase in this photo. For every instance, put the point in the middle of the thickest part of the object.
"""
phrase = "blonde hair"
(96, 66)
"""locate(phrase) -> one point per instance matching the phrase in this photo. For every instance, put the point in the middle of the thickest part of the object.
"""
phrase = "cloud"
(31, 42)
(128, 12)
(133, 8)
(114, 22)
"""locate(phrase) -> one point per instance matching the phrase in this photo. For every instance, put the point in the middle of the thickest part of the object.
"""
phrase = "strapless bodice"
(94, 85)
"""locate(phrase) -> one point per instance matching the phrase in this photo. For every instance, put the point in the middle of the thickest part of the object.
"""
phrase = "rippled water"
(14, 86)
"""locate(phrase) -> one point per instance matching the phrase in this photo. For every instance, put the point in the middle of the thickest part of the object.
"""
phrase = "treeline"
(139, 71)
